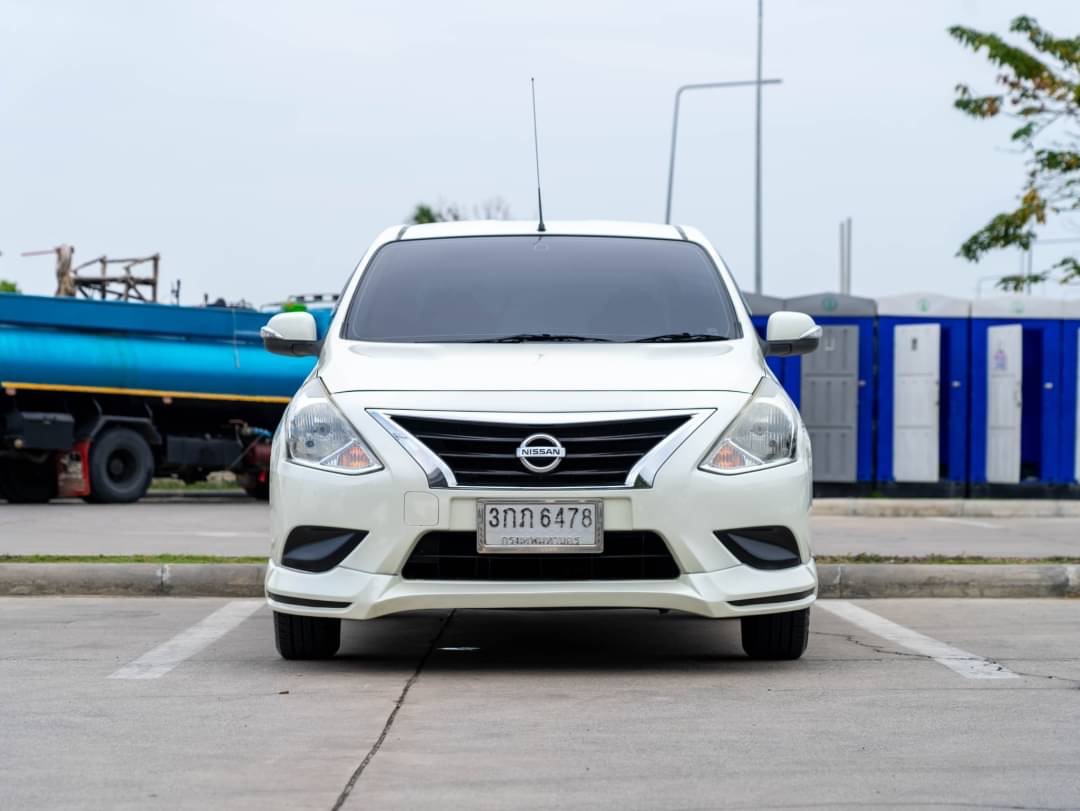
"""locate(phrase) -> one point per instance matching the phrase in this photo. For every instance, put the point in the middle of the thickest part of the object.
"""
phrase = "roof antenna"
(536, 148)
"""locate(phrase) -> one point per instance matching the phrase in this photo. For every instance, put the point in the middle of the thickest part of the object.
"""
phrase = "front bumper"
(367, 595)
(396, 506)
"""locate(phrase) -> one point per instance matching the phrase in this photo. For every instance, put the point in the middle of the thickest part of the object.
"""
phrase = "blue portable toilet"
(922, 390)
(761, 307)
(1016, 368)
(833, 386)
(1069, 463)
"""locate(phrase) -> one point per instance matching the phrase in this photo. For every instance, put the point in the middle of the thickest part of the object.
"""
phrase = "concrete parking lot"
(160, 702)
(241, 526)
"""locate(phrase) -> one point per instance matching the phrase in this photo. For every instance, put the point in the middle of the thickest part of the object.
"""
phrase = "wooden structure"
(119, 284)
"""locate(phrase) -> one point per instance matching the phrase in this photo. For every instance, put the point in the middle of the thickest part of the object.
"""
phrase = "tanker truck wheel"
(256, 484)
(259, 490)
(121, 466)
(23, 481)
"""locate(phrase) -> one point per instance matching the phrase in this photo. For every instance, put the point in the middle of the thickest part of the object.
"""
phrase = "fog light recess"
(319, 549)
(762, 547)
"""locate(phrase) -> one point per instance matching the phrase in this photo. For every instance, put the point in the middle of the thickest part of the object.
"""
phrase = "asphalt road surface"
(240, 527)
(183, 703)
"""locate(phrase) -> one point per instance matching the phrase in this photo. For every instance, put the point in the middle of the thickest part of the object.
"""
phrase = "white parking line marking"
(193, 533)
(965, 522)
(959, 661)
(156, 663)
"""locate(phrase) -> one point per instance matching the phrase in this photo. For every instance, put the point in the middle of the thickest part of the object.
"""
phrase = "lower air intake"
(631, 555)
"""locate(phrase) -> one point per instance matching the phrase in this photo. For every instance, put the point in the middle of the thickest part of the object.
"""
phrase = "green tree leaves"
(1041, 90)
(423, 213)
(495, 208)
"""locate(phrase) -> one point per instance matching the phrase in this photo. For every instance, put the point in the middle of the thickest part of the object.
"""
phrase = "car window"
(594, 288)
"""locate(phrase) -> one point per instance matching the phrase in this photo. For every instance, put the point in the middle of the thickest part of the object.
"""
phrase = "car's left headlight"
(763, 434)
(318, 435)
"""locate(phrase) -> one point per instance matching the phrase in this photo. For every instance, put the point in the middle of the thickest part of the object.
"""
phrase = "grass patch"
(129, 559)
(864, 557)
(175, 485)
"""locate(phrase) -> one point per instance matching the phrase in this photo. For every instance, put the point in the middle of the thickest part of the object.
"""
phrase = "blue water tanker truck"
(98, 397)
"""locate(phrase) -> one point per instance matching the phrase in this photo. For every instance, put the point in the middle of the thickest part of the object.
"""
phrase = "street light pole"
(757, 160)
(675, 126)
(1027, 255)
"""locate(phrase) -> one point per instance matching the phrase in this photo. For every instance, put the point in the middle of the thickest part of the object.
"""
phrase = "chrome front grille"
(598, 453)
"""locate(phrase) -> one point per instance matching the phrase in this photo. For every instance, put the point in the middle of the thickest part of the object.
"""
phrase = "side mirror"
(790, 333)
(292, 334)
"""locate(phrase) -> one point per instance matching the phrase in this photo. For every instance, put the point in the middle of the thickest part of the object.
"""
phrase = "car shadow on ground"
(543, 640)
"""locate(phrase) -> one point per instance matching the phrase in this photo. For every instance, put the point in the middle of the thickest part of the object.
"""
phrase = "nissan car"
(507, 416)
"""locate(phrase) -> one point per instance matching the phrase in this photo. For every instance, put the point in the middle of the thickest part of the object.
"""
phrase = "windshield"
(541, 288)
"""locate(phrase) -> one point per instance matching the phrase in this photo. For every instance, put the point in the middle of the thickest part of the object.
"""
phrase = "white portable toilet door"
(916, 397)
(1005, 360)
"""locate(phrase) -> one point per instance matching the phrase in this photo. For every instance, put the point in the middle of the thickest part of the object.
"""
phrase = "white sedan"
(507, 418)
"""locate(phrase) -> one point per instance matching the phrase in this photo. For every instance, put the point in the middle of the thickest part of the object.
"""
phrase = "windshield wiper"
(537, 337)
(681, 337)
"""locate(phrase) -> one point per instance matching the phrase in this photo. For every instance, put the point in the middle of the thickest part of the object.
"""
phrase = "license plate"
(539, 526)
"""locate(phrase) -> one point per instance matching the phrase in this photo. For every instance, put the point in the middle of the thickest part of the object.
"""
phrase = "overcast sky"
(260, 146)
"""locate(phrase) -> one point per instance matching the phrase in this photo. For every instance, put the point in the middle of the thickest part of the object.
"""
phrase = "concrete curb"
(853, 580)
(133, 579)
(876, 580)
(946, 507)
(179, 496)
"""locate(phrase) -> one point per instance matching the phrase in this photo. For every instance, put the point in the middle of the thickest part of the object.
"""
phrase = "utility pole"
(757, 159)
(845, 256)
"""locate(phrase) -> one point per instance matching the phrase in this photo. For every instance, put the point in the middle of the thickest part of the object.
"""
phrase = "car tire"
(25, 482)
(776, 636)
(306, 637)
(259, 490)
(121, 466)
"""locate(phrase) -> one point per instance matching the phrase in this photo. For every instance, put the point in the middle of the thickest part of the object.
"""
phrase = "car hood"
(708, 366)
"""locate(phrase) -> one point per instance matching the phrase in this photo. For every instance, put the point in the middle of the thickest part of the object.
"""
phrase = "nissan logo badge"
(540, 453)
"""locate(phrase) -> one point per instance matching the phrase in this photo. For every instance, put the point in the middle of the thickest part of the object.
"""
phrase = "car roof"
(606, 228)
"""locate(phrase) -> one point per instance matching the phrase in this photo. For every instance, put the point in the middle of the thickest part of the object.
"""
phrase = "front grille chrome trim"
(440, 475)
(438, 472)
(643, 474)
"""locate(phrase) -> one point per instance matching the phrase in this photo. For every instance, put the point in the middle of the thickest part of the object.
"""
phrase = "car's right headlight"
(318, 435)
(761, 436)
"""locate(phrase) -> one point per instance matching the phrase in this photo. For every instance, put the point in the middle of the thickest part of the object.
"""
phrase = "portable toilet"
(833, 386)
(1069, 462)
(761, 307)
(922, 390)
(1016, 367)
